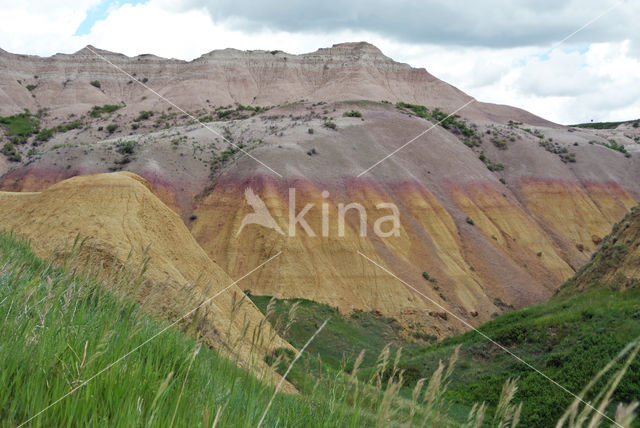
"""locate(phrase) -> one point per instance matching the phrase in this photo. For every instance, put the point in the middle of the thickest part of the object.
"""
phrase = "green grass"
(344, 336)
(58, 329)
(570, 340)
(20, 127)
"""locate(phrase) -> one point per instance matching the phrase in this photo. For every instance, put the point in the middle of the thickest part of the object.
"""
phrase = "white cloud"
(601, 81)
(43, 27)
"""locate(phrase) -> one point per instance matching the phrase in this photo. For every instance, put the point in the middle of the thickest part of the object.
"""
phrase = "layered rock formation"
(126, 229)
(485, 225)
(348, 71)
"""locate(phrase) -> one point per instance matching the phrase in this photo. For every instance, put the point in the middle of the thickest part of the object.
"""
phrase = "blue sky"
(100, 12)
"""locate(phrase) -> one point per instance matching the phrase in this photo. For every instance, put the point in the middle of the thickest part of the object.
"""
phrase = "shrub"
(97, 111)
(95, 83)
(11, 153)
(503, 181)
(329, 124)
(31, 87)
(310, 131)
(126, 147)
(613, 145)
(45, 134)
(352, 113)
(491, 166)
(427, 338)
(469, 220)
(112, 128)
(429, 278)
(69, 126)
(125, 160)
(143, 115)
(499, 143)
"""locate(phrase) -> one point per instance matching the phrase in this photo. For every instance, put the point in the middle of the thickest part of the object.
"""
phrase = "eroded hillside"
(124, 226)
(497, 207)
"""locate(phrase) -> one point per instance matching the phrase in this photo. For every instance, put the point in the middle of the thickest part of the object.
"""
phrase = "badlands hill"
(348, 71)
(589, 321)
(497, 206)
(128, 229)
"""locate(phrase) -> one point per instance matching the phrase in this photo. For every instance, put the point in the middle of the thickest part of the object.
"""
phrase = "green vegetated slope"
(569, 338)
(344, 337)
(606, 125)
(59, 330)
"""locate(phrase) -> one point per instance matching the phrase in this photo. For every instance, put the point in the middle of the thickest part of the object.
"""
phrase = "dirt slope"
(496, 222)
(347, 71)
(124, 222)
(616, 263)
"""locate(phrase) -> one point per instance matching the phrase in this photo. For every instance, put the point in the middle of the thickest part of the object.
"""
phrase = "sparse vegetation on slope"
(604, 125)
(563, 152)
(613, 145)
(11, 153)
(470, 136)
(352, 113)
(491, 165)
(98, 111)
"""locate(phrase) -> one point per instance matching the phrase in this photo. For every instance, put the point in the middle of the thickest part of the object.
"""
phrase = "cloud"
(45, 26)
(593, 76)
(490, 23)
(563, 74)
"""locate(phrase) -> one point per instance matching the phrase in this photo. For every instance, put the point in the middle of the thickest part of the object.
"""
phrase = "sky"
(568, 61)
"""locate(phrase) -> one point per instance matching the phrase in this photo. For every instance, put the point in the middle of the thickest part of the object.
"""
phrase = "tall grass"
(60, 326)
